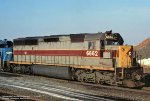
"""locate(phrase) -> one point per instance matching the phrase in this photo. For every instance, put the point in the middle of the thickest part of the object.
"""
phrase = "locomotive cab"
(123, 58)
(113, 38)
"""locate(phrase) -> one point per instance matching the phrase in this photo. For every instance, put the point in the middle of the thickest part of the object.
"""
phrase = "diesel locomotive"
(5, 52)
(87, 57)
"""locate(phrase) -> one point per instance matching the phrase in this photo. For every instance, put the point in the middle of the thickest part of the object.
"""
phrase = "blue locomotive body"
(5, 52)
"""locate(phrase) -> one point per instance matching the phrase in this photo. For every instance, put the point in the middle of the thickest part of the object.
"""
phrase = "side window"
(102, 44)
(91, 45)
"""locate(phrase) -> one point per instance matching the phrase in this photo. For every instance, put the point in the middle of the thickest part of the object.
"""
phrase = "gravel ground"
(26, 94)
(99, 90)
(44, 84)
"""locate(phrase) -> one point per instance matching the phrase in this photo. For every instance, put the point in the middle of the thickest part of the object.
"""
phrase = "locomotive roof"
(81, 37)
(96, 35)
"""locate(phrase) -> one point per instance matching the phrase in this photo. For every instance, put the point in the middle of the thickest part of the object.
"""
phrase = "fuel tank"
(52, 71)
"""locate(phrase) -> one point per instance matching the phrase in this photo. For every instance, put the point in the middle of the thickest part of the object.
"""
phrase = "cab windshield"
(111, 42)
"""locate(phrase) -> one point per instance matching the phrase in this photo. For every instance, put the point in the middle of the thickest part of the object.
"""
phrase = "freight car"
(86, 57)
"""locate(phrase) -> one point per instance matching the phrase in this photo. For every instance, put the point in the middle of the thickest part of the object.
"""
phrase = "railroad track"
(140, 90)
(52, 89)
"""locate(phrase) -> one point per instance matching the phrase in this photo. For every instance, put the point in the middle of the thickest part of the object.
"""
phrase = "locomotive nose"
(125, 56)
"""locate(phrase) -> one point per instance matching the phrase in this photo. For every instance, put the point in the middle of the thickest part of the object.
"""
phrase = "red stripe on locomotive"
(84, 53)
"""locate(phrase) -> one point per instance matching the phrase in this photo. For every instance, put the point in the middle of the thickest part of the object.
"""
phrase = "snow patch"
(145, 62)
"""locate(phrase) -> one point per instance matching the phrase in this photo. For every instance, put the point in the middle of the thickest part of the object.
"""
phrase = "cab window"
(102, 44)
(91, 45)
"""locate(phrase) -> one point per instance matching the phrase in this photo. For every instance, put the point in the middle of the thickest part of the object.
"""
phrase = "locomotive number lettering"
(92, 53)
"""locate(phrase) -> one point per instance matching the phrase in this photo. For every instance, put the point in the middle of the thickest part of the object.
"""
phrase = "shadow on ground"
(147, 80)
(2, 74)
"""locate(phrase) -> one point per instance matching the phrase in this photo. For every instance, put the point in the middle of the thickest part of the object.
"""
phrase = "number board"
(92, 53)
(111, 37)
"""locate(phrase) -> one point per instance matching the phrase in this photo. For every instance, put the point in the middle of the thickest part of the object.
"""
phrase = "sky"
(25, 18)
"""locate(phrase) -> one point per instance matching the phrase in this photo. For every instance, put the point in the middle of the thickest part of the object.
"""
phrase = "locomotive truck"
(87, 57)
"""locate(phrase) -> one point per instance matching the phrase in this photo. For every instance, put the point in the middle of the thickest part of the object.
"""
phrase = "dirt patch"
(143, 49)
